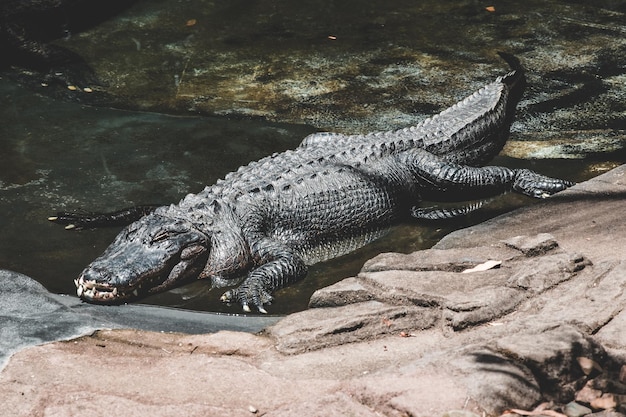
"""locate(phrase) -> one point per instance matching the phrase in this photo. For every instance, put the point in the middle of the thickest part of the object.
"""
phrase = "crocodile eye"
(161, 236)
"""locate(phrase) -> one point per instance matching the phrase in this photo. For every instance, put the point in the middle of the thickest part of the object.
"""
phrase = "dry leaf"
(191, 22)
(490, 9)
(483, 267)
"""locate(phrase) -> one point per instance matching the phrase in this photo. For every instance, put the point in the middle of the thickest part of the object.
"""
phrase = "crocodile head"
(153, 254)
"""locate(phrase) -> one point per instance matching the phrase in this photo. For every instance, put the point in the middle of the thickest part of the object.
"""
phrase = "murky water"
(58, 155)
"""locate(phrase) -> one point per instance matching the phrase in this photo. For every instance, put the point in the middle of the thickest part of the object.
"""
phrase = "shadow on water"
(60, 156)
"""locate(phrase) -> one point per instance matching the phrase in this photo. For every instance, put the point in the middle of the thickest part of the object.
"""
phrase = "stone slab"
(30, 315)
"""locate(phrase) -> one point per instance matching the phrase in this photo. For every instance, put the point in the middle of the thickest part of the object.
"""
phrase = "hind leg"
(439, 180)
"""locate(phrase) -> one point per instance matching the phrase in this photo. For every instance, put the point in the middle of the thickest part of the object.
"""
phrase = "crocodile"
(260, 227)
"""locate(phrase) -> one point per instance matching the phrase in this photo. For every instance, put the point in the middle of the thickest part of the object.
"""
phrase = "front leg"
(440, 180)
(279, 268)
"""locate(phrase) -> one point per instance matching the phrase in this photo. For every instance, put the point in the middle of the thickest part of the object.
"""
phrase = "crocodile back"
(470, 132)
(328, 213)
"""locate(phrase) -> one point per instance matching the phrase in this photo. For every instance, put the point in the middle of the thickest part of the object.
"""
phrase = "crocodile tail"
(515, 81)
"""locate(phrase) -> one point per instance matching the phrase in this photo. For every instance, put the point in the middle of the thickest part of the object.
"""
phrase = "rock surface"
(31, 315)
(412, 334)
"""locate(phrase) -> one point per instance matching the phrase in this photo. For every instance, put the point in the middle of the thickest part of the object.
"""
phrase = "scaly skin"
(269, 220)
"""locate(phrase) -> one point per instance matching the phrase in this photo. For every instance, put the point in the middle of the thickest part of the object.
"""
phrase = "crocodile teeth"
(79, 290)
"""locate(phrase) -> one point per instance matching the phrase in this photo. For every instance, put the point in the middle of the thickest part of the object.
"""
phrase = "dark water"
(59, 155)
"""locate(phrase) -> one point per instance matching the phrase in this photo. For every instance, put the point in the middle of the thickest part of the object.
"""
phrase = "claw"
(538, 186)
(227, 297)
(245, 299)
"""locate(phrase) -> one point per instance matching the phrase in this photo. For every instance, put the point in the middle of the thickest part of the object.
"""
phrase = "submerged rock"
(364, 65)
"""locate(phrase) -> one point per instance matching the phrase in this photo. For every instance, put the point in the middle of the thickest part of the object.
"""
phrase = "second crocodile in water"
(259, 228)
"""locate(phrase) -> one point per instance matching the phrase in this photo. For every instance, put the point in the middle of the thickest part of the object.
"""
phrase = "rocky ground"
(526, 310)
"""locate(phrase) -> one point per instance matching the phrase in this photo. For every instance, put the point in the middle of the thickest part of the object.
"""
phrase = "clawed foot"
(248, 294)
(538, 186)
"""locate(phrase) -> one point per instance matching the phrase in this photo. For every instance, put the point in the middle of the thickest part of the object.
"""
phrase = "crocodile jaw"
(95, 292)
(154, 254)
